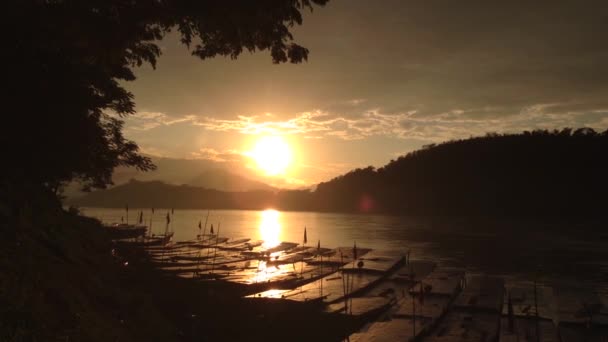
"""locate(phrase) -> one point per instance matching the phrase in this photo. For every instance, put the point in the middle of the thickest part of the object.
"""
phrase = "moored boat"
(125, 231)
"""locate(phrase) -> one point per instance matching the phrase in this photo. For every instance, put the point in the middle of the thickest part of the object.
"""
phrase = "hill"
(223, 180)
(196, 172)
(533, 173)
(156, 194)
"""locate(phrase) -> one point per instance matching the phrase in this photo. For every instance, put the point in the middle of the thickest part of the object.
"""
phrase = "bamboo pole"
(344, 284)
(414, 315)
(413, 277)
(200, 251)
(215, 249)
(151, 217)
(536, 308)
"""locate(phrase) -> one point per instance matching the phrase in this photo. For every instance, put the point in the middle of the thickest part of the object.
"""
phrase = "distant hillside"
(157, 194)
(195, 172)
(224, 180)
(534, 173)
(169, 170)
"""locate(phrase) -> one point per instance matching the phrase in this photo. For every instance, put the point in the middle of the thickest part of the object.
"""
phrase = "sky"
(383, 79)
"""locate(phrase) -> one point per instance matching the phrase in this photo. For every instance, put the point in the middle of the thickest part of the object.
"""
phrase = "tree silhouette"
(534, 173)
(66, 60)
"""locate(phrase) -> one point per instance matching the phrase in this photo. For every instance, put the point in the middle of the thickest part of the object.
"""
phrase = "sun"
(272, 155)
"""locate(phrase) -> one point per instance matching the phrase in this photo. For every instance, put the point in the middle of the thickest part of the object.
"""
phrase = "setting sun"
(272, 155)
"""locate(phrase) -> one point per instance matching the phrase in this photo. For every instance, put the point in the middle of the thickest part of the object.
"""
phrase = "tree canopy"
(536, 172)
(66, 60)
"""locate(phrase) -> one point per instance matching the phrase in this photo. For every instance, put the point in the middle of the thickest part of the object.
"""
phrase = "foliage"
(67, 59)
(533, 173)
(59, 282)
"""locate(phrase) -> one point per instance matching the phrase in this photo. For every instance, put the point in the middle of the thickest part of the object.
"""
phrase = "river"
(551, 251)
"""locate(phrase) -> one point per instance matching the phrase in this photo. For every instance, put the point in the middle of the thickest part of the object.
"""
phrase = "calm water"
(574, 252)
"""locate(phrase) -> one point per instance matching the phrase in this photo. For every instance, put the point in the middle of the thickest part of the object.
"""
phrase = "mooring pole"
(412, 277)
(536, 308)
(217, 237)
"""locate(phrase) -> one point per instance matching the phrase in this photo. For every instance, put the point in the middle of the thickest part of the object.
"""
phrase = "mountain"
(533, 173)
(224, 180)
(156, 194)
(539, 173)
(168, 170)
(196, 172)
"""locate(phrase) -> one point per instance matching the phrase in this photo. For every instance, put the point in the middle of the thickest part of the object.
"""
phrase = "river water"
(553, 252)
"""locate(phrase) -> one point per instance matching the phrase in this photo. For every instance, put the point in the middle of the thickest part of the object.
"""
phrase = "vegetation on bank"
(531, 173)
(61, 279)
(60, 282)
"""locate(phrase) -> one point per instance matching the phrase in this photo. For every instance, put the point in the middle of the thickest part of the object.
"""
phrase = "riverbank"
(63, 279)
(60, 280)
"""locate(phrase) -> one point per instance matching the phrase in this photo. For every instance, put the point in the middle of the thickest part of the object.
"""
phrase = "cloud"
(421, 124)
(144, 121)
(225, 156)
(358, 119)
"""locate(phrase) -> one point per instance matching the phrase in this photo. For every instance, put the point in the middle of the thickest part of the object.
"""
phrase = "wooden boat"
(392, 330)
(432, 295)
(125, 231)
(298, 274)
(524, 329)
(399, 282)
(524, 302)
(381, 262)
(237, 242)
(337, 256)
(580, 333)
(582, 313)
(285, 259)
(219, 242)
(179, 259)
(225, 269)
(170, 246)
(580, 306)
(459, 325)
(337, 284)
(209, 243)
(361, 307)
(283, 246)
(440, 286)
(241, 246)
(225, 259)
(482, 293)
(475, 314)
(146, 241)
(379, 286)
(186, 243)
(171, 253)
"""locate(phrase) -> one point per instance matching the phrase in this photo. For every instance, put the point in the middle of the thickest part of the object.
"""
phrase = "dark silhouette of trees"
(534, 173)
(66, 59)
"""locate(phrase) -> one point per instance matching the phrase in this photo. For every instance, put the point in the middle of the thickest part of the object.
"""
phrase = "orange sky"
(380, 81)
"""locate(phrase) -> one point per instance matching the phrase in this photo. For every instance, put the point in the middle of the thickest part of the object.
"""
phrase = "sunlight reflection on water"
(270, 228)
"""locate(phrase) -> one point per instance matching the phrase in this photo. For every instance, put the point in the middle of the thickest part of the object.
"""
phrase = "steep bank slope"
(59, 281)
